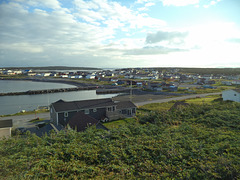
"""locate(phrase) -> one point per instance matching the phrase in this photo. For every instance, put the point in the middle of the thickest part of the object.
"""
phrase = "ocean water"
(14, 104)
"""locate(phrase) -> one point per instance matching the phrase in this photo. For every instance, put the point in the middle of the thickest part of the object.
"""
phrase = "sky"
(120, 33)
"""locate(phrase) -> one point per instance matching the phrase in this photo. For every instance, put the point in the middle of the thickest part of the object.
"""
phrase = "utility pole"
(131, 91)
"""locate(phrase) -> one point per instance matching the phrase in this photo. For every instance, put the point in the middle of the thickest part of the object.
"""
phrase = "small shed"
(231, 95)
(5, 128)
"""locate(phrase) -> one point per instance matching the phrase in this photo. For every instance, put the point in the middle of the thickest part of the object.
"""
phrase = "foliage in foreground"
(196, 142)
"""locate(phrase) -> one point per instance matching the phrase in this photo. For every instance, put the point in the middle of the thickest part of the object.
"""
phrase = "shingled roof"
(60, 106)
(82, 121)
(237, 90)
(125, 104)
(6, 123)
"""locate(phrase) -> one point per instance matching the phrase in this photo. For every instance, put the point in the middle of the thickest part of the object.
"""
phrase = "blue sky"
(120, 33)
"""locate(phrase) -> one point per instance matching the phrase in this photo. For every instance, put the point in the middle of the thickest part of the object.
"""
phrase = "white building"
(90, 76)
(232, 95)
(5, 128)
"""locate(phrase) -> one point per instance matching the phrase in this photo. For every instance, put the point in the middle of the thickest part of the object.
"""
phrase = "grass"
(166, 106)
(205, 100)
(157, 106)
(117, 123)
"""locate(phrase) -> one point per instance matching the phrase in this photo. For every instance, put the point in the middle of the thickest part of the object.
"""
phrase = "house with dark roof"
(5, 128)
(231, 95)
(80, 114)
(82, 121)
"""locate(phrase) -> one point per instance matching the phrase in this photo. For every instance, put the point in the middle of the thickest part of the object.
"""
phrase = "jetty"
(46, 91)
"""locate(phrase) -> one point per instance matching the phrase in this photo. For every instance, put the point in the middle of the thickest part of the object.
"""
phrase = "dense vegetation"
(200, 141)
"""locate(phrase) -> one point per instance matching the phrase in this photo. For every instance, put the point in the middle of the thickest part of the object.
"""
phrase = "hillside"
(192, 142)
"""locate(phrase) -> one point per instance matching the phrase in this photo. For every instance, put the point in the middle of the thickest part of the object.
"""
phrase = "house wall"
(64, 120)
(128, 112)
(231, 95)
(101, 112)
(53, 115)
(5, 132)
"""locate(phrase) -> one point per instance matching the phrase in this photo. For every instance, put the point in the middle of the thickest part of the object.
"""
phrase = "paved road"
(175, 98)
(23, 120)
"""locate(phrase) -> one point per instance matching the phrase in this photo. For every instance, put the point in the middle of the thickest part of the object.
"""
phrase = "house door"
(129, 112)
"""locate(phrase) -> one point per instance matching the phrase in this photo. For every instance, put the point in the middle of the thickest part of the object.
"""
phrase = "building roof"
(46, 129)
(6, 123)
(60, 106)
(237, 90)
(125, 104)
(82, 121)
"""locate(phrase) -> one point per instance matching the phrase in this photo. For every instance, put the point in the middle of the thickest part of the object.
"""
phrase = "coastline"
(79, 86)
(51, 80)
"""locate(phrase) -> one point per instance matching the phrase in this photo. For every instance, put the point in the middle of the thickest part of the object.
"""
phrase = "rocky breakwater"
(46, 91)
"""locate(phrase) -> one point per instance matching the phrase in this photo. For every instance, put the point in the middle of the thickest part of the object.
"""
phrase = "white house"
(236, 82)
(232, 95)
(90, 76)
(5, 128)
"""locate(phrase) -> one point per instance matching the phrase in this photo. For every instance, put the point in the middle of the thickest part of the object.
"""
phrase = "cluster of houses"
(172, 74)
(146, 78)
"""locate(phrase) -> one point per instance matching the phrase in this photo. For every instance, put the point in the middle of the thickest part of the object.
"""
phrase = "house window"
(124, 111)
(109, 108)
(86, 111)
(133, 110)
(66, 114)
(113, 108)
(95, 110)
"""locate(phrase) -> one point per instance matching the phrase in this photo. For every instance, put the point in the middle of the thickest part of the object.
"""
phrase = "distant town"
(154, 79)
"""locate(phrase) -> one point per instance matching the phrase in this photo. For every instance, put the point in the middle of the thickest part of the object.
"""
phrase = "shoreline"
(79, 86)
(64, 81)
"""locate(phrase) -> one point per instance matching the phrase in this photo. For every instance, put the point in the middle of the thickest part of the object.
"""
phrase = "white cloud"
(103, 12)
(22, 47)
(211, 3)
(149, 4)
(106, 33)
(54, 4)
(179, 2)
(142, 1)
(165, 36)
